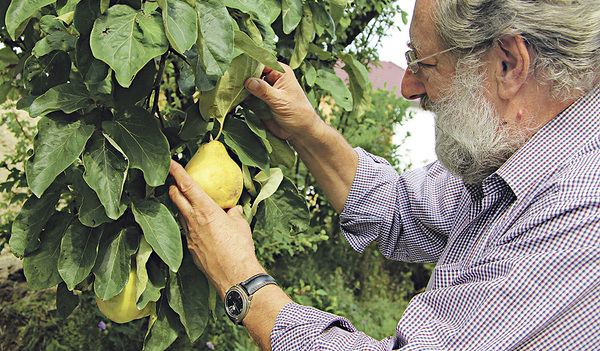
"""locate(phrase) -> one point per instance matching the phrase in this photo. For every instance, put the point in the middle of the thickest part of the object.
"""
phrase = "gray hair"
(564, 36)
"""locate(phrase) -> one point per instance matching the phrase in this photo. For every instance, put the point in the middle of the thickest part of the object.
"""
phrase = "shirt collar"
(552, 145)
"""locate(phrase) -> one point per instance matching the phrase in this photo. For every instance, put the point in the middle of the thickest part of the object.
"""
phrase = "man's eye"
(427, 65)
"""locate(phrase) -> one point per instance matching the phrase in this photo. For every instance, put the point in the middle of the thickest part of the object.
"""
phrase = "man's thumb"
(257, 87)
(236, 211)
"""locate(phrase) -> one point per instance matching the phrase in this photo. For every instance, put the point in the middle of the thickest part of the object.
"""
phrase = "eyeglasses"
(413, 62)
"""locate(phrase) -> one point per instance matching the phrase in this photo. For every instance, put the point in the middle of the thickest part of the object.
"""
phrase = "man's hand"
(220, 242)
(222, 247)
(293, 115)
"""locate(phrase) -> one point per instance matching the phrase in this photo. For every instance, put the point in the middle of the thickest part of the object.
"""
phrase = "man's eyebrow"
(413, 45)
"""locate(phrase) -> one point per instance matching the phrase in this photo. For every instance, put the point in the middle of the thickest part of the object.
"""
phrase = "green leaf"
(194, 125)
(91, 212)
(303, 37)
(104, 4)
(230, 90)
(336, 9)
(246, 144)
(105, 172)
(160, 230)
(268, 186)
(68, 7)
(127, 39)
(258, 127)
(360, 85)
(139, 89)
(188, 296)
(264, 11)
(186, 82)
(86, 13)
(291, 11)
(282, 154)
(8, 57)
(336, 86)
(30, 221)
(257, 52)
(283, 211)
(58, 144)
(163, 329)
(181, 23)
(151, 278)
(46, 72)
(40, 266)
(66, 301)
(19, 13)
(92, 69)
(310, 74)
(138, 134)
(157, 280)
(141, 258)
(78, 251)
(56, 39)
(114, 260)
(67, 97)
(202, 80)
(215, 38)
(322, 17)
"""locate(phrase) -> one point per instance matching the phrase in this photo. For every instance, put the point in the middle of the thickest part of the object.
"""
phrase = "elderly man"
(510, 213)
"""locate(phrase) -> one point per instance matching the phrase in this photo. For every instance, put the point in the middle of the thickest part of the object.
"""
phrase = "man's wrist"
(238, 298)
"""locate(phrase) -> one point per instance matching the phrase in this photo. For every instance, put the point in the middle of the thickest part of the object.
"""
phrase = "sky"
(420, 145)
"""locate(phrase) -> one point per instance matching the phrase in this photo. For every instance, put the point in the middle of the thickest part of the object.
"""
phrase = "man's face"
(471, 140)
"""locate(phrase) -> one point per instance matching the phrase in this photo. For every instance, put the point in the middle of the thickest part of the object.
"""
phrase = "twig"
(23, 129)
(180, 56)
(156, 88)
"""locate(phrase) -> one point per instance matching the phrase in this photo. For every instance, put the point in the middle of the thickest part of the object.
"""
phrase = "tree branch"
(354, 31)
(156, 88)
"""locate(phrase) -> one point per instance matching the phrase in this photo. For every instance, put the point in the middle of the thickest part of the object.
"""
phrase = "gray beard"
(470, 140)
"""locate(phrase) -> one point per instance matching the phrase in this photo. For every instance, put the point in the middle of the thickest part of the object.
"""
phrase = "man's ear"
(513, 63)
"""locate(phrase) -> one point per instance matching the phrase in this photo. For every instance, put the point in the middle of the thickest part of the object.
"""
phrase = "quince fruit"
(122, 307)
(217, 174)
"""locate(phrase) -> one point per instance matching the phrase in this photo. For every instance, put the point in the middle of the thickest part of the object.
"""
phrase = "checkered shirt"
(518, 258)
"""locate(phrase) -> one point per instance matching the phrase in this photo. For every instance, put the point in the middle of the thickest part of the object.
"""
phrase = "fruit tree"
(121, 87)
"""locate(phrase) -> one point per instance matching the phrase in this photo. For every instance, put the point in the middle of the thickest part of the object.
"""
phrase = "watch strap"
(256, 282)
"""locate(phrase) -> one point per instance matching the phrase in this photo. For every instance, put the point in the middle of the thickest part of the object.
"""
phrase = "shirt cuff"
(298, 327)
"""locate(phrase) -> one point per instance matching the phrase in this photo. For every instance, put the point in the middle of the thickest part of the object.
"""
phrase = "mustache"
(426, 103)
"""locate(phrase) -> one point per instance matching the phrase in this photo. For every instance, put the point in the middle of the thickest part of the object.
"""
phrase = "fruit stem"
(220, 130)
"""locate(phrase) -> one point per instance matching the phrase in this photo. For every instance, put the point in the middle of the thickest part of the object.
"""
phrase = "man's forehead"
(422, 29)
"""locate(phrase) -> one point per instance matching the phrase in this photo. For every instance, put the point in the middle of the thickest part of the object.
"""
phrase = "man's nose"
(412, 88)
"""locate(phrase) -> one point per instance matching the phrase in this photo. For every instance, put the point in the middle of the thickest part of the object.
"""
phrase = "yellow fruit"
(122, 307)
(217, 174)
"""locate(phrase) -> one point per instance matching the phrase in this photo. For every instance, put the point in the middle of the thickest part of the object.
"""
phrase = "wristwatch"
(238, 297)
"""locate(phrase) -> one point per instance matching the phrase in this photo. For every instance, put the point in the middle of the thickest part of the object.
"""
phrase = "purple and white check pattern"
(518, 258)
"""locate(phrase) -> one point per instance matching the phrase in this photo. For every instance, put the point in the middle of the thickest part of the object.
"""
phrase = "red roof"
(385, 75)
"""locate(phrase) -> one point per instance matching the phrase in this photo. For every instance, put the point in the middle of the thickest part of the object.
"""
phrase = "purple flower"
(210, 346)
(102, 326)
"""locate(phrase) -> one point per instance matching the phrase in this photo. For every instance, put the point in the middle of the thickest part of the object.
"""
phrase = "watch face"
(234, 303)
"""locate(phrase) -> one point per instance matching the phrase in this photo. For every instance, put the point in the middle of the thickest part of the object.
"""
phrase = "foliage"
(123, 86)
(13, 190)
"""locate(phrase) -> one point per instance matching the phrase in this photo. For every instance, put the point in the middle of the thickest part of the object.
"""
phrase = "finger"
(179, 200)
(236, 211)
(187, 188)
(262, 90)
(183, 223)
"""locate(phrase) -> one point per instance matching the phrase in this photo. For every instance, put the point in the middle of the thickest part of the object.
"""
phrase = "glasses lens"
(410, 58)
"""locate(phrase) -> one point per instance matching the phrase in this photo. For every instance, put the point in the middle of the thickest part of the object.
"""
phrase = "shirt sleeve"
(409, 216)
(300, 328)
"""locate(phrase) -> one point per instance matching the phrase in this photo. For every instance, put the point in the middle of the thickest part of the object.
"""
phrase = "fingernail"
(253, 84)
